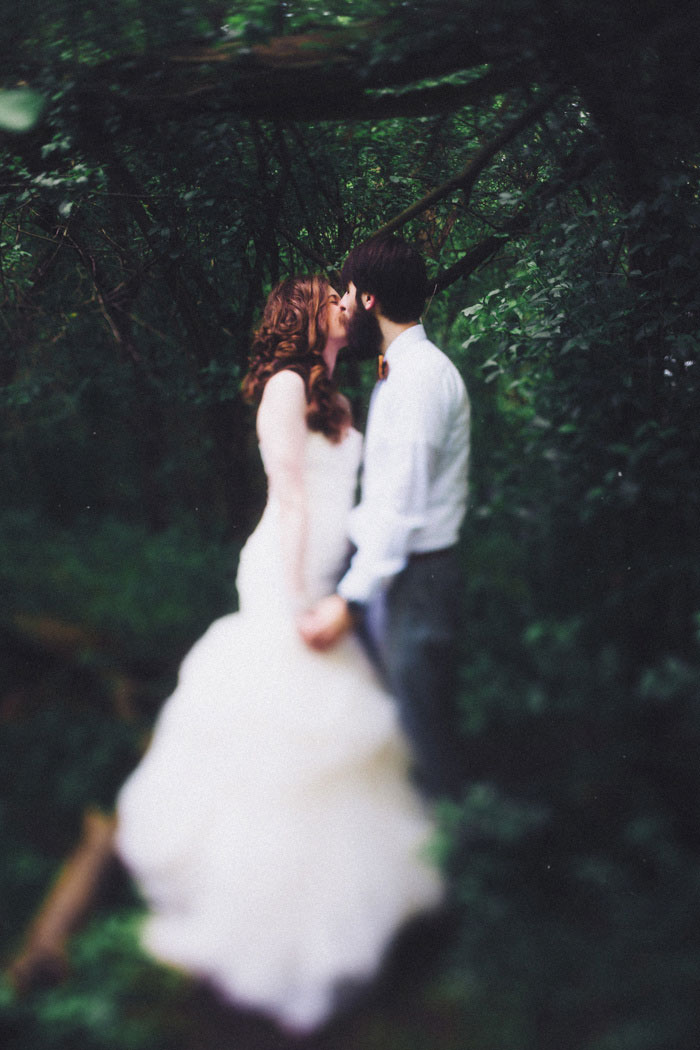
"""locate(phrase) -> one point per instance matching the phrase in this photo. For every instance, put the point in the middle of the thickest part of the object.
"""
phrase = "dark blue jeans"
(417, 654)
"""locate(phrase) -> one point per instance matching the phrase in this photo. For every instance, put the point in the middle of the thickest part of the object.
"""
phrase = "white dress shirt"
(415, 462)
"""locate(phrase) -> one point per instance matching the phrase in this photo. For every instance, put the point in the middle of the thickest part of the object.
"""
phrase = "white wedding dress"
(271, 826)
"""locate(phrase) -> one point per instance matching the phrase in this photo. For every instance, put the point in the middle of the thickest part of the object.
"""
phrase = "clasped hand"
(325, 623)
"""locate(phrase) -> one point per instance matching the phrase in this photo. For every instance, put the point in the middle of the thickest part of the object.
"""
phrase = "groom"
(402, 588)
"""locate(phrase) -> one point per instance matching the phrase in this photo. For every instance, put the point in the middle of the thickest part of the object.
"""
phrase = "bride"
(271, 826)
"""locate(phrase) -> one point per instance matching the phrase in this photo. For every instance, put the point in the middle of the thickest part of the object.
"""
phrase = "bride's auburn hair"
(292, 335)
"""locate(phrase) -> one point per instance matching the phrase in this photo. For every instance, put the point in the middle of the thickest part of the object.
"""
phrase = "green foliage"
(142, 597)
(136, 249)
(117, 1000)
(581, 664)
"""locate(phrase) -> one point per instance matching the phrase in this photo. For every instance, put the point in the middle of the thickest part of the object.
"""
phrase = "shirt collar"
(414, 334)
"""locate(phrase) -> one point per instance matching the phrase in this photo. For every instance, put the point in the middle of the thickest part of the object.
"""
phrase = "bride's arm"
(282, 433)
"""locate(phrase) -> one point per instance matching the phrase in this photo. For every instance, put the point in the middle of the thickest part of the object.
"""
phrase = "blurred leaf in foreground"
(20, 109)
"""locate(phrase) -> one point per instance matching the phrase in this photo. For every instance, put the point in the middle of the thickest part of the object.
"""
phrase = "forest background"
(162, 165)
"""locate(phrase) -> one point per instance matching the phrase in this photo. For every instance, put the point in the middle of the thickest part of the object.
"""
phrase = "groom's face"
(364, 336)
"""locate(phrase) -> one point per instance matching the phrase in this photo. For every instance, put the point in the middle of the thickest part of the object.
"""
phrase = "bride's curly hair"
(292, 335)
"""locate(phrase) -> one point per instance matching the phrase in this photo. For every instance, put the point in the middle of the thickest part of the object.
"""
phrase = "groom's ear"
(368, 300)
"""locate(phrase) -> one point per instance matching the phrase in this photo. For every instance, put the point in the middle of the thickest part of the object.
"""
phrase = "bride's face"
(335, 318)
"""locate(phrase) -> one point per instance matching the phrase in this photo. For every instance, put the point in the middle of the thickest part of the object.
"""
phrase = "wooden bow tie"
(382, 367)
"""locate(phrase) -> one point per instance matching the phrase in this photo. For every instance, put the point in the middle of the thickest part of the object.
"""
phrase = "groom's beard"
(364, 335)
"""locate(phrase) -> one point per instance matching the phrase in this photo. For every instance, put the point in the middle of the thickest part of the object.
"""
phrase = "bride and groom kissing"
(402, 586)
(278, 824)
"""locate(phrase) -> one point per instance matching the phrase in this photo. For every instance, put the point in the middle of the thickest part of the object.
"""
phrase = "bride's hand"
(326, 623)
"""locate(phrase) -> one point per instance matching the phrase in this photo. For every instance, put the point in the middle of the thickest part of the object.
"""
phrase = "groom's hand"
(326, 623)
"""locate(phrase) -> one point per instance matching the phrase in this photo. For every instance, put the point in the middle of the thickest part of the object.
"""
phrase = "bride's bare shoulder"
(283, 383)
(285, 390)
(283, 403)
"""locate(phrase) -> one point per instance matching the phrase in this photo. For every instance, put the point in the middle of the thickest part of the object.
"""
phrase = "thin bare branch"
(575, 169)
(465, 179)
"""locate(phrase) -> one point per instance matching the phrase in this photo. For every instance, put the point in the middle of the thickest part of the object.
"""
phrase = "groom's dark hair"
(393, 272)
